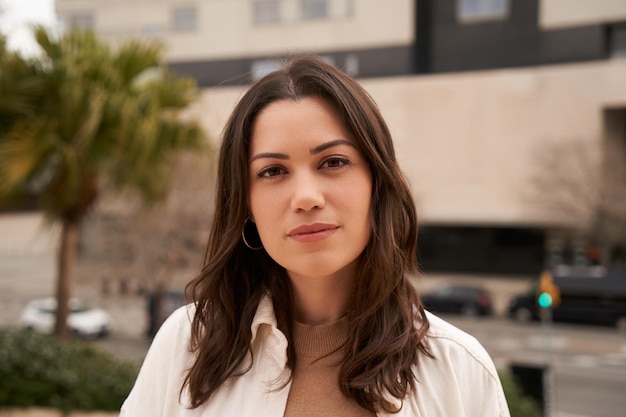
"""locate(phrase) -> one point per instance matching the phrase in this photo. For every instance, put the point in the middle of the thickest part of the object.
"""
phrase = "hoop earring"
(246, 223)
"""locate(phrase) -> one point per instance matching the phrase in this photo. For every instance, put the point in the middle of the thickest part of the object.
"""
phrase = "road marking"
(507, 344)
(543, 341)
(586, 361)
(614, 358)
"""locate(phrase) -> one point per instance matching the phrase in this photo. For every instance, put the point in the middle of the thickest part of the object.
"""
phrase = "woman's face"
(310, 189)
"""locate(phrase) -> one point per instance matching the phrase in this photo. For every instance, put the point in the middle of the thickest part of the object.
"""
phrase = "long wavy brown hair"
(387, 322)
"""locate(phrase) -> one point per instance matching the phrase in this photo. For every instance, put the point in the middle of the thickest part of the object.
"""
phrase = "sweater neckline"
(319, 340)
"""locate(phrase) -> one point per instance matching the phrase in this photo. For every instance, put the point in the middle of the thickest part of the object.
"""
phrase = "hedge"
(41, 370)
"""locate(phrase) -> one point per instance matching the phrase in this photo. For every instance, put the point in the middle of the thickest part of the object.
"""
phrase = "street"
(589, 361)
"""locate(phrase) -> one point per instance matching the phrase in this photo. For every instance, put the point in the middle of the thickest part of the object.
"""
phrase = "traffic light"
(548, 294)
(544, 300)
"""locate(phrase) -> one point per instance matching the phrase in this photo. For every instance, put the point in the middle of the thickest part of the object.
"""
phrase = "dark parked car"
(459, 299)
(523, 307)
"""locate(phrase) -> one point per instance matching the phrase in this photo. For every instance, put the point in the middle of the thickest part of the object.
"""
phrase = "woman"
(304, 306)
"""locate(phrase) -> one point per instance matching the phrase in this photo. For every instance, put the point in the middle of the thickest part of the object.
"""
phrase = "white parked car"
(89, 323)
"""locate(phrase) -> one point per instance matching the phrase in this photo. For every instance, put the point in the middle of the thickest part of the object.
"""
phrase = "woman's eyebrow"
(324, 146)
(312, 151)
(269, 155)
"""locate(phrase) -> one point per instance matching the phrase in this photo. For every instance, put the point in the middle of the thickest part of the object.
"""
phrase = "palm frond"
(135, 57)
(21, 154)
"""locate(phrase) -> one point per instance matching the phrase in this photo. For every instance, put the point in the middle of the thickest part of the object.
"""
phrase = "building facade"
(476, 93)
(235, 41)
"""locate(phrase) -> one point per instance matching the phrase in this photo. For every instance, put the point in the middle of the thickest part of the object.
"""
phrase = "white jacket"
(460, 382)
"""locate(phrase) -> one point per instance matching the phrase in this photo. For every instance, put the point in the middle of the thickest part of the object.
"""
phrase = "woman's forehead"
(309, 121)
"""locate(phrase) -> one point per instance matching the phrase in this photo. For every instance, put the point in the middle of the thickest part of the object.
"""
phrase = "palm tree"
(104, 120)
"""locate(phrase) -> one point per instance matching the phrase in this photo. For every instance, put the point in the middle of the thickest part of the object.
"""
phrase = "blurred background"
(509, 121)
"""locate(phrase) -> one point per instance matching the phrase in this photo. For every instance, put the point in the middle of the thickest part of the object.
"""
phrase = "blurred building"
(476, 93)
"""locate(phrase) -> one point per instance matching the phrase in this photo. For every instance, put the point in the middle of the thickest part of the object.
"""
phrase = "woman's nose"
(307, 193)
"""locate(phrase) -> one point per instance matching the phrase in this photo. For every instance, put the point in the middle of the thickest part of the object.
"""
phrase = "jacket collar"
(274, 340)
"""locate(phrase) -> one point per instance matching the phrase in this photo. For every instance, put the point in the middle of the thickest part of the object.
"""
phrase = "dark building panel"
(212, 73)
(423, 31)
(483, 47)
(511, 40)
(497, 250)
(376, 62)
(506, 42)
(617, 40)
(572, 44)
(384, 62)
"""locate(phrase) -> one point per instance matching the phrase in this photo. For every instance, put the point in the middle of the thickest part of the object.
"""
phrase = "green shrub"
(41, 370)
(520, 405)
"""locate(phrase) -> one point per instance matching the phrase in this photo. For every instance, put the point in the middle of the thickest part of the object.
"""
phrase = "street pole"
(548, 376)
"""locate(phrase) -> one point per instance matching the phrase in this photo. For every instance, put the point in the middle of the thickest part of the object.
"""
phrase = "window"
(153, 29)
(263, 67)
(82, 21)
(185, 18)
(468, 10)
(266, 12)
(313, 9)
(351, 65)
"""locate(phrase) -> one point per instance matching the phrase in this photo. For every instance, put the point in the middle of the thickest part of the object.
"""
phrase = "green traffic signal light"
(544, 300)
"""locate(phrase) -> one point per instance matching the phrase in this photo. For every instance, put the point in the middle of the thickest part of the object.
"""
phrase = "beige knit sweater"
(315, 388)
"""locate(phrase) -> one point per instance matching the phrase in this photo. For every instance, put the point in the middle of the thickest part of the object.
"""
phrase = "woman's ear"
(250, 216)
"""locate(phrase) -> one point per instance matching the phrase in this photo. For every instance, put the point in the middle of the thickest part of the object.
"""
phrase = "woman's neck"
(321, 300)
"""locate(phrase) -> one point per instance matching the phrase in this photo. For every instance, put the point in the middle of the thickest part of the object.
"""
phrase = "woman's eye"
(270, 172)
(335, 162)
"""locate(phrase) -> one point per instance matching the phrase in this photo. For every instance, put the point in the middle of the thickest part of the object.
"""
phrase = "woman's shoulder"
(461, 371)
(183, 314)
(448, 341)
(179, 320)
(176, 329)
(442, 329)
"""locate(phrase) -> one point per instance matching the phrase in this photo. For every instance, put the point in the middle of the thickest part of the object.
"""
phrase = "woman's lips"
(312, 232)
